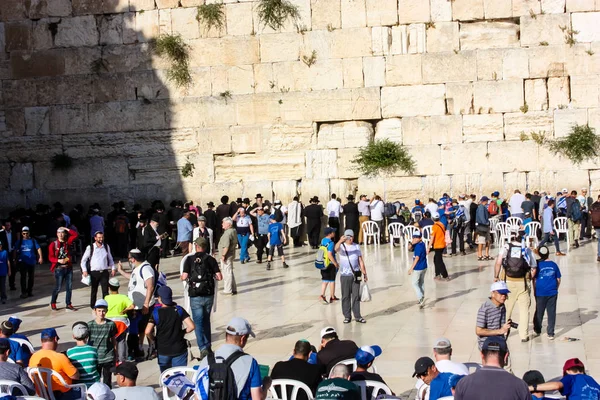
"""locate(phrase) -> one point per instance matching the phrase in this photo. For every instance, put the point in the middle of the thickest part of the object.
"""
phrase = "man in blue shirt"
(439, 382)
(275, 241)
(4, 272)
(184, 233)
(328, 274)
(575, 384)
(27, 252)
(548, 228)
(262, 222)
(547, 281)
(19, 352)
(419, 267)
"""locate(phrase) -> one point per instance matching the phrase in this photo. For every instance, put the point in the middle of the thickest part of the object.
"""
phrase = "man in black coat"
(223, 211)
(351, 214)
(151, 245)
(211, 216)
(314, 216)
(299, 369)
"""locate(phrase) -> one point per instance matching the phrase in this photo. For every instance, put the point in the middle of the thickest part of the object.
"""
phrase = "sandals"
(347, 320)
(361, 321)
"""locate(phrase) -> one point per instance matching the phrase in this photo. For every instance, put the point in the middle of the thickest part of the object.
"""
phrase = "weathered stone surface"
(234, 50)
(166, 3)
(560, 164)
(543, 28)
(467, 10)
(165, 22)
(18, 36)
(444, 37)
(146, 25)
(403, 70)
(485, 35)
(382, 12)
(263, 78)
(513, 156)
(594, 118)
(586, 24)
(582, 59)
(113, 117)
(546, 61)
(459, 98)
(12, 10)
(381, 40)
(558, 92)
(354, 42)
(585, 91)
(77, 32)
(246, 139)
(410, 11)
(525, 7)
(483, 128)
(515, 64)
(314, 187)
(497, 9)
(139, 5)
(19, 93)
(344, 135)
(539, 122)
(68, 119)
(326, 14)
(441, 10)
(449, 67)
(580, 5)
(59, 8)
(321, 164)
(489, 64)
(497, 96)
(183, 22)
(214, 140)
(37, 64)
(15, 122)
(240, 79)
(324, 75)
(432, 130)
(553, 6)
(284, 191)
(374, 71)
(37, 121)
(408, 39)
(389, 129)
(280, 47)
(354, 13)
(408, 101)
(345, 166)
(566, 118)
(427, 158)
(239, 18)
(352, 72)
(21, 176)
(287, 137)
(350, 104)
(464, 158)
(536, 94)
(111, 29)
(64, 90)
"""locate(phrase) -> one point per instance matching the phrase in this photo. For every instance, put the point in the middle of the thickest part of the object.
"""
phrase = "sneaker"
(422, 302)
(323, 300)
(71, 308)
(536, 334)
(550, 337)
(332, 299)
(53, 305)
(525, 340)
(242, 261)
(259, 261)
(268, 266)
(285, 265)
(560, 253)
(463, 253)
(577, 244)
(361, 321)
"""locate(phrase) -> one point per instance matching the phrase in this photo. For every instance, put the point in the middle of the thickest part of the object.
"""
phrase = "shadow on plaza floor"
(571, 319)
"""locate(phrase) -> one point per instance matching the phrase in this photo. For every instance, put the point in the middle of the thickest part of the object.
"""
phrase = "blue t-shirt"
(19, 352)
(580, 387)
(3, 263)
(27, 250)
(275, 229)
(440, 386)
(329, 244)
(420, 252)
(545, 279)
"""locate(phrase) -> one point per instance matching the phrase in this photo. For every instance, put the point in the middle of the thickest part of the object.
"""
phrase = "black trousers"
(121, 243)
(295, 234)
(261, 244)
(314, 231)
(334, 222)
(27, 271)
(105, 374)
(153, 257)
(98, 278)
(12, 278)
(438, 261)
(458, 233)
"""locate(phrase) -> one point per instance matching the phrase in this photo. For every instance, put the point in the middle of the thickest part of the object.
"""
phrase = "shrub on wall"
(177, 52)
(383, 157)
(579, 145)
(62, 161)
(274, 13)
(211, 15)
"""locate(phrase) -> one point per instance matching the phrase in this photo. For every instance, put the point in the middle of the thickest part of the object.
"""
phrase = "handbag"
(357, 273)
(365, 293)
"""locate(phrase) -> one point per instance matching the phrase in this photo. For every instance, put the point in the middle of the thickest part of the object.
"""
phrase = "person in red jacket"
(59, 253)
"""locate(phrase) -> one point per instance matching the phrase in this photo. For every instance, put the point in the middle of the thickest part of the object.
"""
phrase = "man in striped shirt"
(84, 357)
(491, 317)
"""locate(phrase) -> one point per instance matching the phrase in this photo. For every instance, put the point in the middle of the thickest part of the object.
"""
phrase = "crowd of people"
(113, 341)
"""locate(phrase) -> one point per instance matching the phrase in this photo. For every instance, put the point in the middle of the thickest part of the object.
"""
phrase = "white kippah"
(135, 251)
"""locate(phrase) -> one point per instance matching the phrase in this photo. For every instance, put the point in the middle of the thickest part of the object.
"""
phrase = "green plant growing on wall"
(430, 25)
(579, 145)
(226, 95)
(524, 108)
(187, 170)
(543, 43)
(310, 60)
(211, 15)
(173, 48)
(523, 136)
(274, 13)
(539, 138)
(590, 52)
(569, 35)
(62, 162)
(383, 158)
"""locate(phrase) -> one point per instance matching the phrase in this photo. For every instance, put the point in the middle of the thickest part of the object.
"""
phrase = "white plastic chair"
(26, 343)
(533, 228)
(409, 230)
(493, 223)
(370, 230)
(514, 223)
(472, 366)
(427, 236)
(188, 371)
(351, 362)
(283, 384)
(42, 379)
(562, 226)
(395, 232)
(376, 386)
(7, 387)
(504, 233)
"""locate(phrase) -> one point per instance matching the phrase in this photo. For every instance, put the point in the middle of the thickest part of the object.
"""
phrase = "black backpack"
(201, 280)
(389, 210)
(515, 266)
(221, 381)
(278, 214)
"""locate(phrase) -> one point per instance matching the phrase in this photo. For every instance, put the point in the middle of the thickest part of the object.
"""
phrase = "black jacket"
(335, 351)
(298, 370)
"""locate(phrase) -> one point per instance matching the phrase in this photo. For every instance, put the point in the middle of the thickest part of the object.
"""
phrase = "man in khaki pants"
(517, 266)
(227, 245)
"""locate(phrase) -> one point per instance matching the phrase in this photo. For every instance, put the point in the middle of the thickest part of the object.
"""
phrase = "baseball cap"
(367, 354)
(272, 216)
(166, 295)
(435, 215)
(99, 391)
(533, 377)
(80, 330)
(25, 229)
(496, 193)
(494, 343)
(417, 234)
(329, 230)
(202, 218)
(4, 345)
(422, 365)
(454, 379)
(499, 287)
(328, 330)
(484, 198)
(239, 327)
(442, 343)
(572, 362)
(101, 304)
(16, 322)
(348, 232)
(49, 333)
(114, 282)
(126, 369)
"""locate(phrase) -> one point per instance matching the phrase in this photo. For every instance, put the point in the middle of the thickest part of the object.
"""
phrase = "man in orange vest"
(438, 243)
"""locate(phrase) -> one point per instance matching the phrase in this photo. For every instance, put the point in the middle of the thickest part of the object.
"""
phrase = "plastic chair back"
(370, 229)
(472, 366)
(514, 223)
(427, 236)
(7, 387)
(42, 379)
(283, 385)
(377, 387)
(409, 230)
(351, 363)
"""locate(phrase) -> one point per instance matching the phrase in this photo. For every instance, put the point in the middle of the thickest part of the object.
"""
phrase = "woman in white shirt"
(352, 272)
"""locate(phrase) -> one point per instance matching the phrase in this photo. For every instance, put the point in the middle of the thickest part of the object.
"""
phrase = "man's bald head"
(340, 371)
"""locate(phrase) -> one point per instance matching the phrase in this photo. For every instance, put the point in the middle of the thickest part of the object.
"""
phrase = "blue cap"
(484, 198)
(494, 343)
(101, 304)
(329, 231)
(496, 193)
(272, 216)
(16, 322)
(367, 354)
(417, 201)
(49, 333)
(166, 295)
(4, 344)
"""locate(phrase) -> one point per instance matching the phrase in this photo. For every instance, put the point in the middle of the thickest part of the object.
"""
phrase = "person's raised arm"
(547, 387)
(121, 271)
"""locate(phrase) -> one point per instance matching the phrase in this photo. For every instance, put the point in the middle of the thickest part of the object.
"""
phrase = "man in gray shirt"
(13, 372)
(226, 246)
(491, 317)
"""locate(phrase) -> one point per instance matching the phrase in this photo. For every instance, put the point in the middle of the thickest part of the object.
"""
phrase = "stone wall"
(457, 82)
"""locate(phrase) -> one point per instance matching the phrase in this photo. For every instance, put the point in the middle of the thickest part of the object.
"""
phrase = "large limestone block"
(515, 64)
(449, 67)
(513, 156)
(432, 130)
(65, 90)
(278, 166)
(139, 5)
(77, 32)
(409, 101)
(59, 8)
(558, 92)
(483, 128)
(314, 187)
(498, 96)
(257, 109)
(344, 135)
(444, 37)
(464, 158)
(263, 78)
(403, 70)
(497, 9)
(374, 71)
(565, 119)
(543, 28)
(115, 116)
(539, 122)
(409, 39)
(587, 26)
(18, 36)
(240, 79)
(489, 64)
(553, 6)
(234, 50)
(287, 137)
(280, 47)
(326, 14)
(21, 176)
(37, 121)
(34, 148)
(284, 191)
(459, 98)
(19, 93)
(40, 63)
(525, 7)
(146, 25)
(333, 105)
(214, 140)
(324, 75)
(585, 91)
(354, 13)
(345, 164)
(467, 10)
(580, 5)
(381, 12)
(165, 22)
(319, 41)
(441, 10)
(427, 159)
(321, 164)
(410, 11)
(184, 22)
(111, 29)
(382, 40)
(399, 188)
(239, 18)
(389, 129)
(352, 71)
(582, 59)
(342, 186)
(546, 61)
(536, 94)
(560, 163)
(485, 35)
(69, 119)
(41, 35)
(246, 139)
(354, 42)
(594, 118)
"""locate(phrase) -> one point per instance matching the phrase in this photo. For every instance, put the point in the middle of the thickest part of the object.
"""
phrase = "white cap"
(435, 215)
(499, 287)
(327, 331)
(565, 190)
(25, 228)
(99, 391)
(62, 229)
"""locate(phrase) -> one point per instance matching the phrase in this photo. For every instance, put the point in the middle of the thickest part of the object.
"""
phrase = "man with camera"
(491, 317)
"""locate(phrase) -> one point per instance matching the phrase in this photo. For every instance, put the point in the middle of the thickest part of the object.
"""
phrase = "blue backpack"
(576, 211)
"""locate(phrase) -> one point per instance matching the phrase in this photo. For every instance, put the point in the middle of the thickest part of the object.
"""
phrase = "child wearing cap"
(419, 267)
(118, 306)
(102, 336)
(275, 236)
(328, 274)
(4, 272)
(83, 356)
(545, 287)
(365, 356)
(574, 384)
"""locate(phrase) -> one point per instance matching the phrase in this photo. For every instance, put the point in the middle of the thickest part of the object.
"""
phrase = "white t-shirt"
(515, 203)
(137, 285)
(348, 255)
(452, 367)
(432, 208)
(334, 208)
(377, 209)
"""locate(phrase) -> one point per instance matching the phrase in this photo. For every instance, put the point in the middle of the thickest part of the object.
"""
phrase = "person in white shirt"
(431, 206)
(334, 208)
(294, 220)
(377, 210)
(364, 213)
(514, 204)
(442, 352)
(352, 271)
(97, 262)
(206, 233)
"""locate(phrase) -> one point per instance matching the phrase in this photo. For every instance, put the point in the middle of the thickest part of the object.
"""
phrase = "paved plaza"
(282, 306)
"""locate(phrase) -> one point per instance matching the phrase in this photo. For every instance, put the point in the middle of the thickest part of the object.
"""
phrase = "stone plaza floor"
(283, 306)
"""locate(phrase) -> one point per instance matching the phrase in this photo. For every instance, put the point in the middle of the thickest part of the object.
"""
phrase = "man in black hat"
(351, 214)
(314, 218)
(152, 242)
(223, 211)
(211, 216)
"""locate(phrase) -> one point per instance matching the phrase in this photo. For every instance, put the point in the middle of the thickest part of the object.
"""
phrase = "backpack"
(595, 215)
(514, 264)
(576, 211)
(221, 380)
(121, 224)
(201, 281)
(160, 279)
(278, 214)
(493, 208)
(389, 210)
(155, 313)
(322, 260)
